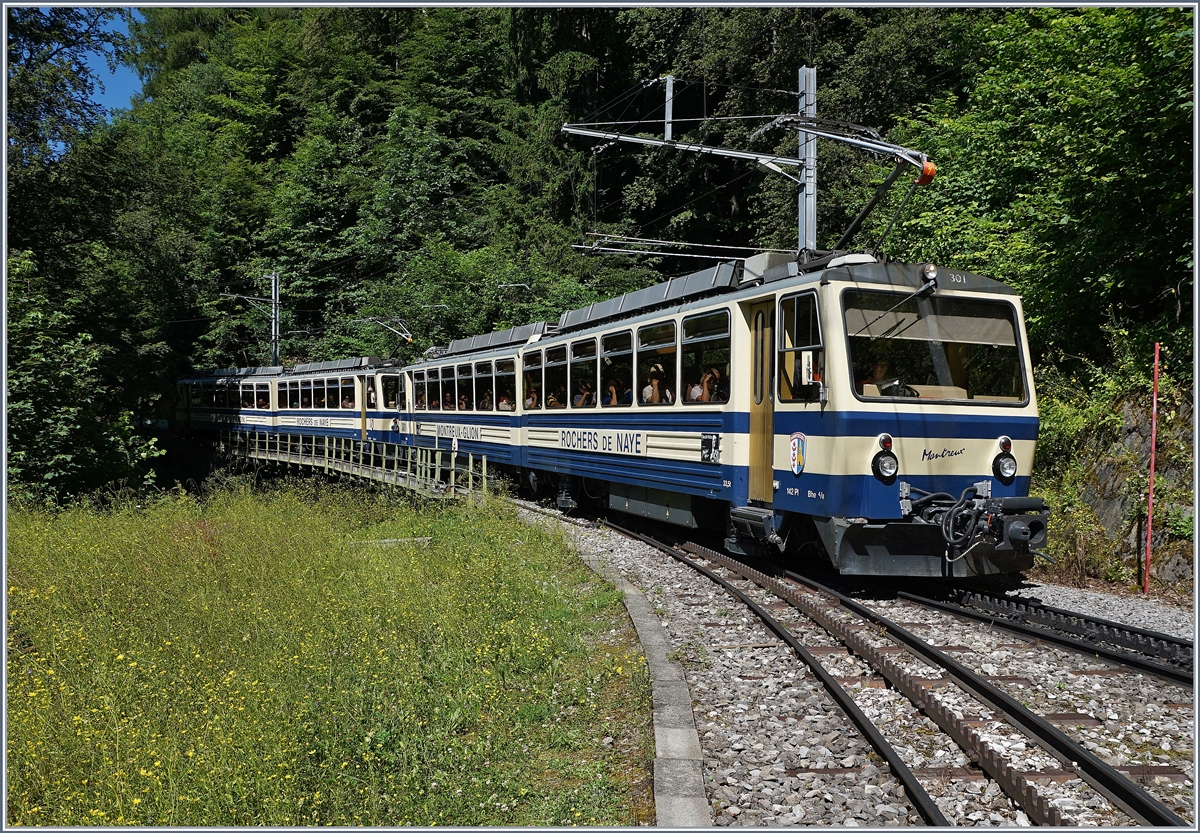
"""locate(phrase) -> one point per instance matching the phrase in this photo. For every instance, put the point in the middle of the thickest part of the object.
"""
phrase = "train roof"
(235, 373)
(729, 280)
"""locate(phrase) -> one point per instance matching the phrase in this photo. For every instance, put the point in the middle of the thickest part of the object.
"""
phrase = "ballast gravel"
(778, 751)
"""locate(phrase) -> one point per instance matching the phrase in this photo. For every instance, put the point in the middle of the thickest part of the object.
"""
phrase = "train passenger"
(655, 391)
(583, 398)
(505, 402)
(306, 401)
(558, 399)
(531, 398)
(485, 404)
(463, 405)
(262, 401)
(618, 392)
(717, 389)
(876, 375)
(448, 402)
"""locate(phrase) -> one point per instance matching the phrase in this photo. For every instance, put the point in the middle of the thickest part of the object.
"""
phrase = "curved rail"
(922, 801)
(1056, 637)
(1091, 631)
(1103, 778)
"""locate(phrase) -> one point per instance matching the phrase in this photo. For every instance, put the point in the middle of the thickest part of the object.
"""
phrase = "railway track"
(875, 639)
(1161, 654)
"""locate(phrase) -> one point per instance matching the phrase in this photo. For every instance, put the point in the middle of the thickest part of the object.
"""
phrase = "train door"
(762, 405)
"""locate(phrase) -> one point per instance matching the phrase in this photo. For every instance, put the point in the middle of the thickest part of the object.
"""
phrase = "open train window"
(506, 385)
(393, 392)
(801, 354)
(706, 358)
(419, 390)
(466, 389)
(616, 369)
(532, 380)
(348, 392)
(281, 397)
(583, 374)
(904, 346)
(656, 379)
(484, 393)
(556, 377)
(449, 402)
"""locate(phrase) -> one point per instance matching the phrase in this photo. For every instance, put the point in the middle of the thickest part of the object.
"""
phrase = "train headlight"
(930, 272)
(1005, 468)
(885, 466)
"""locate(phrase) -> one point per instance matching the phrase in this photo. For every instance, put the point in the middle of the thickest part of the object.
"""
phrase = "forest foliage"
(408, 163)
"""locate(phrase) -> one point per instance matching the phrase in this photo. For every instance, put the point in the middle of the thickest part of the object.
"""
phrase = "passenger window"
(319, 393)
(221, 399)
(616, 370)
(281, 396)
(448, 396)
(419, 390)
(433, 390)
(533, 380)
(556, 378)
(484, 393)
(466, 395)
(347, 393)
(801, 357)
(506, 385)
(306, 394)
(706, 358)
(583, 374)
(369, 385)
(656, 364)
(293, 394)
(393, 398)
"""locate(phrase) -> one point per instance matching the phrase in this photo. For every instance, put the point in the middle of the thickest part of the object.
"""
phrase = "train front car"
(905, 421)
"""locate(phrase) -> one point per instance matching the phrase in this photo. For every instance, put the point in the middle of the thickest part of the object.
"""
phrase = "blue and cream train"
(877, 414)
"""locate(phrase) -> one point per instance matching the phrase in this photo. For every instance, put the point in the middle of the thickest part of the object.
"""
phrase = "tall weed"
(259, 657)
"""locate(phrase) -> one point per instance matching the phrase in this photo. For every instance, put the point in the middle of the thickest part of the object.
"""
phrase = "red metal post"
(1150, 506)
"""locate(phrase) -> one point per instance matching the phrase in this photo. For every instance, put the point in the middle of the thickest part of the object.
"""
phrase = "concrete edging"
(679, 799)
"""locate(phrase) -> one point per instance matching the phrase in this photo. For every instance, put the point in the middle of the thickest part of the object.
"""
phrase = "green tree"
(1066, 171)
(61, 441)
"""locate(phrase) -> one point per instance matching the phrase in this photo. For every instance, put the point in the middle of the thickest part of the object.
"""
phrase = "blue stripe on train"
(981, 426)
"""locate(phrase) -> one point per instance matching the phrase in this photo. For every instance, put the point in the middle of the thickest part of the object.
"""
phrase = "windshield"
(935, 348)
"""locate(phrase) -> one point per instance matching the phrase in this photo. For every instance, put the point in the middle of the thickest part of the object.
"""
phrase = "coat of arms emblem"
(797, 451)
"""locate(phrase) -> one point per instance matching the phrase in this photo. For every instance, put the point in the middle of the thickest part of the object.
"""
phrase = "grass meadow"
(250, 658)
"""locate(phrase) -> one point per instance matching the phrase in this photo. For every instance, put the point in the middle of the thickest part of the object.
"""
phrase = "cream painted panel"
(852, 455)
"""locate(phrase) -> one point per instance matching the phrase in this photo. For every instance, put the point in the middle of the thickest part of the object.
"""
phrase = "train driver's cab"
(905, 347)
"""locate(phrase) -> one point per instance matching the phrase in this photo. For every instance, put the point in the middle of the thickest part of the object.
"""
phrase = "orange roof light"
(928, 171)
